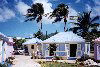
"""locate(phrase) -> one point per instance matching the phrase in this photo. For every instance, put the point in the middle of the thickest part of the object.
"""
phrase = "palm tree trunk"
(64, 26)
(41, 25)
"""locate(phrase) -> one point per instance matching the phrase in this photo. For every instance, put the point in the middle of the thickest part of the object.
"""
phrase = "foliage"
(61, 12)
(38, 34)
(35, 12)
(57, 64)
(85, 23)
(18, 43)
(42, 36)
(3, 65)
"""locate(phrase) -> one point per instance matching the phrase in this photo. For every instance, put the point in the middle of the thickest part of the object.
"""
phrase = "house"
(64, 44)
(97, 49)
(34, 46)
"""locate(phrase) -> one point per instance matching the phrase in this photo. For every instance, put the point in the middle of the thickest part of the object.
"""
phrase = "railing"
(60, 53)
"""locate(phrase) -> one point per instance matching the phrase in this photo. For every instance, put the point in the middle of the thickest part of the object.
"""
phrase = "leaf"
(95, 18)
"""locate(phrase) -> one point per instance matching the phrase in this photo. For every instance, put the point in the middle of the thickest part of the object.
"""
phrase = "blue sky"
(12, 15)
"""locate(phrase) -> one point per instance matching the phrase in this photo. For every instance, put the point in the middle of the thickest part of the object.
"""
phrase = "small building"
(64, 44)
(34, 46)
(97, 49)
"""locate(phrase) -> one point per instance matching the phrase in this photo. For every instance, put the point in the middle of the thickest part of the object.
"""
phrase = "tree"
(42, 36)
(35, 12)
(18, 43)
(61, 12)
(86, 25)
(38, 35)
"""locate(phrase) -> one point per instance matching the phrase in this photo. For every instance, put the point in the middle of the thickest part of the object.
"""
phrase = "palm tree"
(35, 12)
(84, 24)
(61, 12)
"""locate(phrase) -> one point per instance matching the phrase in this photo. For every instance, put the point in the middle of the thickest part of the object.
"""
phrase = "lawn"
(57, 64)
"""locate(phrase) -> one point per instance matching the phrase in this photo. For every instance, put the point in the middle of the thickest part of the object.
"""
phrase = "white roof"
(32, 41)
(64, 37)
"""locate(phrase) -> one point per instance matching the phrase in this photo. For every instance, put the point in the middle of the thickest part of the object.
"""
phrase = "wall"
(97, 51)
(31, 50)
(34, 51)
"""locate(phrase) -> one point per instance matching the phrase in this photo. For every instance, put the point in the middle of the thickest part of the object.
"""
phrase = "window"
(32, 47)
(61, 47)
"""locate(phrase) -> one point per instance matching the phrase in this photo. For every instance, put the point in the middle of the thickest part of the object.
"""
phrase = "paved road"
(24, 61)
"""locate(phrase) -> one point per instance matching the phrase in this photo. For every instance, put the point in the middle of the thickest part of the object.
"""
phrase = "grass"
(57, 64)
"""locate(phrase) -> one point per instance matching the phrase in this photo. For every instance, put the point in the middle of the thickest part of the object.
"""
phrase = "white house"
(34, 46)
(64, 44)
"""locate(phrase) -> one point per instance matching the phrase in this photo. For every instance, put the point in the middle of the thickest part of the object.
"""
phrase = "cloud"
(47, 6)
(72, 12)
(88, 7)
(97, 2)
(95, 9)
(5, 14)
(22, 8)
(77, 1)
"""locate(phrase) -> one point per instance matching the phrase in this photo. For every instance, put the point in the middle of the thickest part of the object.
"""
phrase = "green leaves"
(35, 12)
(60, 12)
(85, 23)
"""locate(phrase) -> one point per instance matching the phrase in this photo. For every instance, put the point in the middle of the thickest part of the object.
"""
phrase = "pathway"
(24, 61)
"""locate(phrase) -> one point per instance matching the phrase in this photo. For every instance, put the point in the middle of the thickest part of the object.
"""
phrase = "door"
(52, 48)
(73, 49)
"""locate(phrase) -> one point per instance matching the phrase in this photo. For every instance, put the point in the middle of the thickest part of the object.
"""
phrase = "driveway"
(24, 61)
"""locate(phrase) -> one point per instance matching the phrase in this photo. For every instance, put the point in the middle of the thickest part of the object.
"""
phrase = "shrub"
(3, 65)
(84, 58)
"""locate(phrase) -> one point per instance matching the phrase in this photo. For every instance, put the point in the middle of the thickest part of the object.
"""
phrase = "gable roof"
(32, 41)
(64, 37)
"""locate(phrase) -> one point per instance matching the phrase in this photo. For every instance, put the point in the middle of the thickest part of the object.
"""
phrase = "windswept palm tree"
(61, 12)
(35, 12)
(85, 23)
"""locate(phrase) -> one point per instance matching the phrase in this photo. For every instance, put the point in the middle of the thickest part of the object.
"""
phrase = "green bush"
(3, 65)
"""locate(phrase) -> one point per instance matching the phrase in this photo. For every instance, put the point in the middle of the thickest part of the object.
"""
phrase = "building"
(34, 46)
(64, 44)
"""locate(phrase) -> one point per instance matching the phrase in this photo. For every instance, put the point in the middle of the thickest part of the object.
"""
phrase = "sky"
(12, 15)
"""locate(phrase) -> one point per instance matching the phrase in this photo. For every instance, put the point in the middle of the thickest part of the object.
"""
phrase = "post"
(46, 34)
(3, 52)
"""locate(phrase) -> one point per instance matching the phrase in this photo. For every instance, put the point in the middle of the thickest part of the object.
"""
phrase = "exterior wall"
(79, 50)
(83, 48)
(64, 49)
(61, 50)
(87, 48)
(33, 51)
(97, 51)
(45, 51)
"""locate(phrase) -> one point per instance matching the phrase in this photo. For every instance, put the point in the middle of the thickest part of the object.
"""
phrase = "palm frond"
(95, 18)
